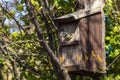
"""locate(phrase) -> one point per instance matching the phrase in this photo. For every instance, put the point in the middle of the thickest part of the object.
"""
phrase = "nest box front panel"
(69, 44)
(69, 33)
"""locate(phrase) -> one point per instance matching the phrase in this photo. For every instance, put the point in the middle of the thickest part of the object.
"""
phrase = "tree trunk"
(54, 60)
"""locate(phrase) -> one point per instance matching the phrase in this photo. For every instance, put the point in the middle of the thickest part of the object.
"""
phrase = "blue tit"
(64, 34)
(68, 37)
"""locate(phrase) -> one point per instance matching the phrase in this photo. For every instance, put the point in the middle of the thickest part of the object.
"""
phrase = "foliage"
(112, 14)
(26, 51)
(64, 7)
(30, 56)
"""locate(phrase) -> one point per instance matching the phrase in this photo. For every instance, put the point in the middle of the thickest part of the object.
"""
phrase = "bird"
(67, 36)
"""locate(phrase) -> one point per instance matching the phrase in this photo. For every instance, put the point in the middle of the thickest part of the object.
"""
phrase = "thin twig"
(116, 58)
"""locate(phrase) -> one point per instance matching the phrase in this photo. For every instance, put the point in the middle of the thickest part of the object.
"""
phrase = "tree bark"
(54, 60)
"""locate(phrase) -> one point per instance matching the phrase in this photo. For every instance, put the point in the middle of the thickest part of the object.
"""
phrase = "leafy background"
(24, 57)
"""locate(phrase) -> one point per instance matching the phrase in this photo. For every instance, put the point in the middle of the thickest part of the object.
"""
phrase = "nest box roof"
(76, 15)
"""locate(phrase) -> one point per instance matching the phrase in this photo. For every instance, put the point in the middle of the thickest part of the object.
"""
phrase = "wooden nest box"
(82, 39)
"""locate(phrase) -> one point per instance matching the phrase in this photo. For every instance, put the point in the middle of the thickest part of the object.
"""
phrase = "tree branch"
(116, 58)
(55, 62)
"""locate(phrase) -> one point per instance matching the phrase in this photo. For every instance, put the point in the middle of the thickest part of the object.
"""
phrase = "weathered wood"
(70, 55)
(88, 53)
(88, 4)
(69, 43)
(69, 33)
(77, 15)
(91, 30)
(82, 40)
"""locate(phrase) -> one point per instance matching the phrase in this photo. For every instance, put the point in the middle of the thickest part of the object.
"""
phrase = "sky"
(11, 23)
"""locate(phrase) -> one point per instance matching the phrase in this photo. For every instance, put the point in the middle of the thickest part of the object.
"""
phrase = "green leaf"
(20, 7)
(13, 12)
(107, 38)
(115, 29)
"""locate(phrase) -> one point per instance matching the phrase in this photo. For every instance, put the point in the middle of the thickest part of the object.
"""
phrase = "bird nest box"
(82, 40)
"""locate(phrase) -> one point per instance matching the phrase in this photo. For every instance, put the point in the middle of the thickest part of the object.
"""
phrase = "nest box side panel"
(92, 45)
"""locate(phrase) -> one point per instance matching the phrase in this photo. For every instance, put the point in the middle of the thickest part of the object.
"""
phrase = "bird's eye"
(64, 34)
